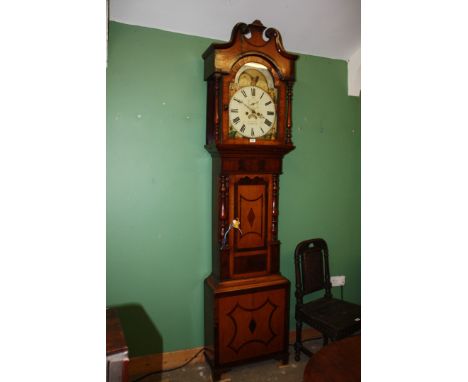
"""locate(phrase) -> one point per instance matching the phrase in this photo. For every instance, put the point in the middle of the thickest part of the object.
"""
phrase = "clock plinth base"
(246, 320)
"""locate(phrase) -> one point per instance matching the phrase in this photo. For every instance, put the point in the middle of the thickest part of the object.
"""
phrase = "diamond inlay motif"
(251, 217)
(264, 313)
(252, 325)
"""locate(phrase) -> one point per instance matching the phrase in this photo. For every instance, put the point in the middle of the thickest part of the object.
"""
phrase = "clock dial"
(252, 112)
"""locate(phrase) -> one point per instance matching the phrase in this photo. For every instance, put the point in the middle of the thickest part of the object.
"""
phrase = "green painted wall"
(159, 181)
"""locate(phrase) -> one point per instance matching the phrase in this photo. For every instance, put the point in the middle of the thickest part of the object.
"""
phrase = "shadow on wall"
(142, 337)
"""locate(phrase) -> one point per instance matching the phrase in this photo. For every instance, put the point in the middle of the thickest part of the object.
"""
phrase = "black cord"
(195, 356)
(167, 370)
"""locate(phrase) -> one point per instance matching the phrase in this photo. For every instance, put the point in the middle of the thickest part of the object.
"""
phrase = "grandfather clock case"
(248, 131)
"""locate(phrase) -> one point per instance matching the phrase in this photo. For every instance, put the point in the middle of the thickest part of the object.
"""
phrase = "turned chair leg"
(298, 343)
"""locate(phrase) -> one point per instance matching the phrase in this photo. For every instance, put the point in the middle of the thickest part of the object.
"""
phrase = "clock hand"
(247, 106)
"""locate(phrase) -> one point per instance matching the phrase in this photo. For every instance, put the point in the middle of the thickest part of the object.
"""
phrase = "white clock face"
(252, 112)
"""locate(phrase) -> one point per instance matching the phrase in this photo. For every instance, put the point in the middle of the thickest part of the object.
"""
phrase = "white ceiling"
(327, 28)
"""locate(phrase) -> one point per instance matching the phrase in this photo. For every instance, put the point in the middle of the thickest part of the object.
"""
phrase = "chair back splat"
(312, 267)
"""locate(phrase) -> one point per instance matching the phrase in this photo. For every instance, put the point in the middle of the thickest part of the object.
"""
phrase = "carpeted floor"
(265, 371)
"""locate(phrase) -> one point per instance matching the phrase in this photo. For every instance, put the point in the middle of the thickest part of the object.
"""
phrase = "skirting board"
(151, 363)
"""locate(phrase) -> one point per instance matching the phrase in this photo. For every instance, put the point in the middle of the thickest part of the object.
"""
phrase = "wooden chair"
(334, 318)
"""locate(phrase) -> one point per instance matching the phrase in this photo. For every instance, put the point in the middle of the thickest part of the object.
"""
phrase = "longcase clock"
(248, 131)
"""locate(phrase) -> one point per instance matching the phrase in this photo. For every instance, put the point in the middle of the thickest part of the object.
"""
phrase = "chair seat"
(334, 318)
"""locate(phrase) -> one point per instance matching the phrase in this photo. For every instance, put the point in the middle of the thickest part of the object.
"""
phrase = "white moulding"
(354, 74)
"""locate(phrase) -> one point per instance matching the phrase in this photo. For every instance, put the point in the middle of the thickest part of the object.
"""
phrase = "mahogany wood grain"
(338, 362)
(250, 202)
(115, 339)
(116, 349)
(246, 321)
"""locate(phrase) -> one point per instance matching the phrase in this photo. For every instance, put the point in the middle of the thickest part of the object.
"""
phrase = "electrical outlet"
(337, 281)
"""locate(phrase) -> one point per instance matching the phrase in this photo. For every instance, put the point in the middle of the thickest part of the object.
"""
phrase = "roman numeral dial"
(252, 112)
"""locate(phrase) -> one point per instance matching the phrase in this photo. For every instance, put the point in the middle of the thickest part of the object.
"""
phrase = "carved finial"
(256, 30)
